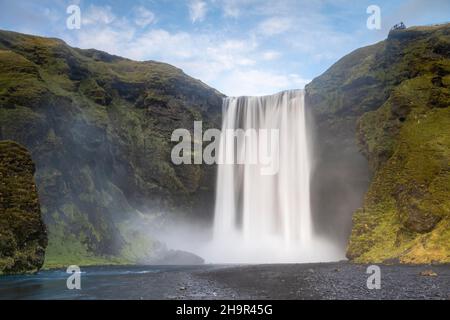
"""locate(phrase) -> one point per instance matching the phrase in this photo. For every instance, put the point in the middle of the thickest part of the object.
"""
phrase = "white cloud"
(271, 55)
(236, 57)
(231, 11)
(97, 15)
(232, 53)
(163, 45)
(235, 8)
(321, 43)
(51, 14)
(259, 82)
(275, 25)
(197, 10)
(236, 64)
(232, 8)
(233, 65)
(143, 16)
(106, 39)
(202, 56)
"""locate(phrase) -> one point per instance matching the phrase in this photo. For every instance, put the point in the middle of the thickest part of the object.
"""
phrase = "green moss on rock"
(99, 127)
(401, 116)
(23, 236)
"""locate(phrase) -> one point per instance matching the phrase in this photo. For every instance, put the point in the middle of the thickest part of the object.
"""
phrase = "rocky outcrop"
(23, 236)
(391, 101)
(99, 130)
(164, 256)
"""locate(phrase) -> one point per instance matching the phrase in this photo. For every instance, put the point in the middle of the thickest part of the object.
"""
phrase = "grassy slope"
(407, 208)
(398, 94)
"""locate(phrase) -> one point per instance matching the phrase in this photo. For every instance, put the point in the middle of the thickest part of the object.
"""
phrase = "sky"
(239, 47)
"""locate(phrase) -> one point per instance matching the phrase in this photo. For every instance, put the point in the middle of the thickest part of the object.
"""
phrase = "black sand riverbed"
(340, 280)
(332, 281)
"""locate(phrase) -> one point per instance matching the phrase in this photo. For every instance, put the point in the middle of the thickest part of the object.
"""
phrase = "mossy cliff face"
(99, 128)
(23, 235)
(393, 99)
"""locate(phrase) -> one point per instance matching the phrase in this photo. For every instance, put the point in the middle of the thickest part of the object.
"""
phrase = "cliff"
(23, 236)
(390, 103)
(98, 127)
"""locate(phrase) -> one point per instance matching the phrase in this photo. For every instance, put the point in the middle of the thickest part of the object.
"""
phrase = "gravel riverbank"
(340, 280)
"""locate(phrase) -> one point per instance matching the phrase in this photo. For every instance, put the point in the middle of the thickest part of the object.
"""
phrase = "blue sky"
(240, 47)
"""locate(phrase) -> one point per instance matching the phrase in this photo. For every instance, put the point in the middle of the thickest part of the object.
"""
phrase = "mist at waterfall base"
(261, 218)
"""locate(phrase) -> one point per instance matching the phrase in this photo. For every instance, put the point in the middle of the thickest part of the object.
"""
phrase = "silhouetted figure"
(399, 26)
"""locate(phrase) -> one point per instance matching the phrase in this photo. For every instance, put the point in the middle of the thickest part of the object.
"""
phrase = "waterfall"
(265, 217)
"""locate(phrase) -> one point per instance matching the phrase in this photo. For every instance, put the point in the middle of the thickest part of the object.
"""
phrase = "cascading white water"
(266, 218)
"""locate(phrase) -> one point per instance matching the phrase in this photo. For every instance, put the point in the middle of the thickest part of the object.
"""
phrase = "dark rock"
(176, 257)
(23, 236)
(428, 273)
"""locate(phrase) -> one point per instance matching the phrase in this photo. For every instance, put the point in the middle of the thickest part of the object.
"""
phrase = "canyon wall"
(99, 129)
(390, 103)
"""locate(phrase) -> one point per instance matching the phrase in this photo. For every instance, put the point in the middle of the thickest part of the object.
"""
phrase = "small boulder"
(176, 257)
(428, 273)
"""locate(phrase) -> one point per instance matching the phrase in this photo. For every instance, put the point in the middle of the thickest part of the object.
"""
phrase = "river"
(340, 280)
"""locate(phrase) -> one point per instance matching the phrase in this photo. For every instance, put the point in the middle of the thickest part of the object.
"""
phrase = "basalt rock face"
(390, 103)
(99, 129)
(23, 235)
